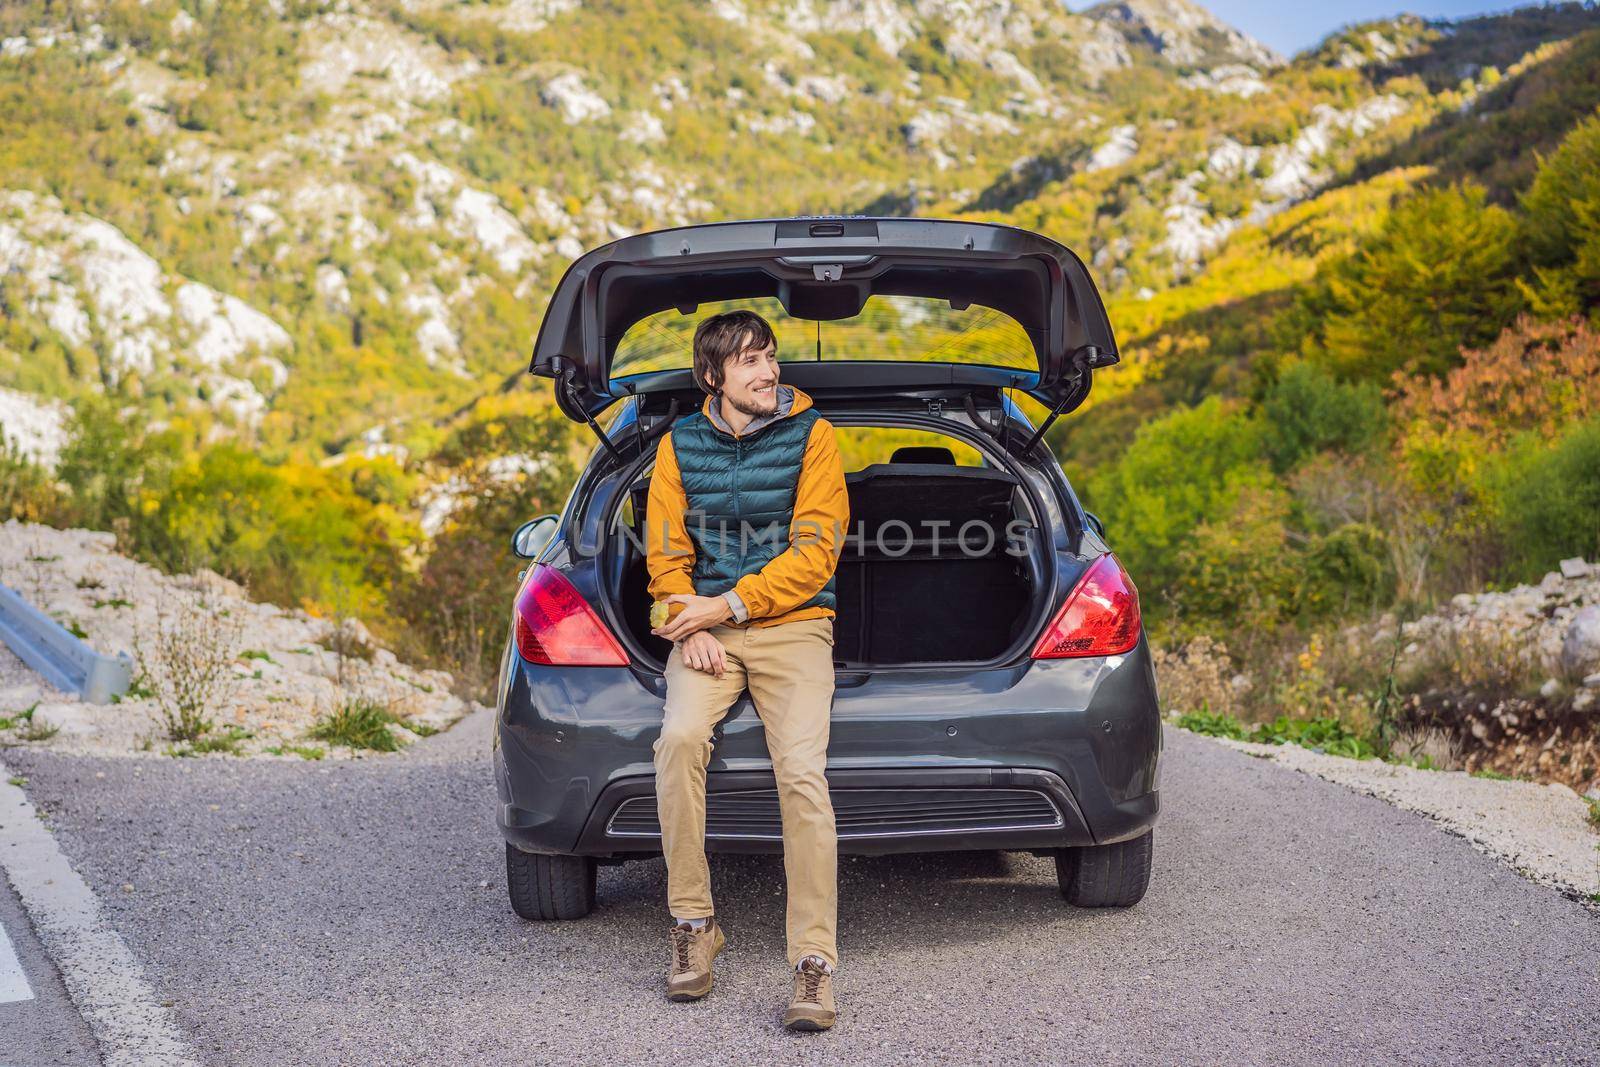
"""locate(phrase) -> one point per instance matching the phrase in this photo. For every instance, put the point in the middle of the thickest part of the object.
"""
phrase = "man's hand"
(698, 613)
(704, 653)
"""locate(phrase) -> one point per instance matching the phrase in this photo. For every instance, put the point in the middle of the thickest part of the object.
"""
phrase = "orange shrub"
(1538, 376)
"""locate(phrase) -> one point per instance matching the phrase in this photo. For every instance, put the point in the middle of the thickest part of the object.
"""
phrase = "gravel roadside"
(1542, 831)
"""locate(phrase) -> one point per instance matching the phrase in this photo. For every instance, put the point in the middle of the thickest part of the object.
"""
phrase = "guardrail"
(62, 659)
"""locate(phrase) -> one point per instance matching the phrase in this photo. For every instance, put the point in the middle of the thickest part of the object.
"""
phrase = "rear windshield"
(896, 328)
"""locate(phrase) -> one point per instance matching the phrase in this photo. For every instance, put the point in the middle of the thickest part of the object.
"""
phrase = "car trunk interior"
(921, 579)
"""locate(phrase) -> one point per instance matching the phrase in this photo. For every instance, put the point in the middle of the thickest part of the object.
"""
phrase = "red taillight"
(1100, 617)
(557, 626)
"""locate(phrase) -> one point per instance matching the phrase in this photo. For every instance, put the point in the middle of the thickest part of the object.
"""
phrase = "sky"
(1293, 26)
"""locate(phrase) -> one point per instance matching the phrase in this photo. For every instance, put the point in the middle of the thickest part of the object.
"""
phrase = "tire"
(1106, 876)
(549, 887)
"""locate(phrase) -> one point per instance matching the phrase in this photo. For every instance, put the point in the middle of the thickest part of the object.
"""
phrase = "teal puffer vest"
(741, 484)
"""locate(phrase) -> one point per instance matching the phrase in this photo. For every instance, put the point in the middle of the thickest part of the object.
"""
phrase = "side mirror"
(1095, 524)
(532, 536)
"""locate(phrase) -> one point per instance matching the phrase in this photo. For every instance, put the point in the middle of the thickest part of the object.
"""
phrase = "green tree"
(27, 491)
(1548, 500)
(1561, 225)
(1436, 277)
(1236, 570)
(1346, 569)
(114, 465)
(1308, 411)
(1182, 469)
(295, 533)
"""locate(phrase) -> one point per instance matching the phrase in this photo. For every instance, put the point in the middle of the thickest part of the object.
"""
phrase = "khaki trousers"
(788, 668)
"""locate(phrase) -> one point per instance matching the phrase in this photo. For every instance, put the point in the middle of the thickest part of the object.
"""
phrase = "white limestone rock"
(33, 425)
(225, 327)
(575, 100)
(1580, 645)
(1120, 146)
(396, 63)
(1231, 79)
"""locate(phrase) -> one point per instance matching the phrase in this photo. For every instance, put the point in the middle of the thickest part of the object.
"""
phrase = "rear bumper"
(876, 812)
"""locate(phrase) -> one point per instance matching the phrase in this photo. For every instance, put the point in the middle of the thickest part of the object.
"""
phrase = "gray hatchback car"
(993, 685)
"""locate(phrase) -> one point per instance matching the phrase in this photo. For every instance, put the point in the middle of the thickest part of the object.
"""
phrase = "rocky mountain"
(323, 226)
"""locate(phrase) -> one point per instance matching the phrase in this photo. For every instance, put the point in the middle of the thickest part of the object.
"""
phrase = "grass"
(1320, 735)
(226, 742)
(26, 728)
(308, 752)
(72, 627)
(17, 780)
(360, 724)
(37, 731)
(138, 689)
(256, 653)
(1214, 724)
(114, 602)
(1327, 735)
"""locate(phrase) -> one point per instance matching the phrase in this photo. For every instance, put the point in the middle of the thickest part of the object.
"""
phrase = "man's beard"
(752, 411)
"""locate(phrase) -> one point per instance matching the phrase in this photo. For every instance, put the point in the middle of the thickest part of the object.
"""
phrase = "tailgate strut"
(1082, 359)
(640, 435)
(568, 371)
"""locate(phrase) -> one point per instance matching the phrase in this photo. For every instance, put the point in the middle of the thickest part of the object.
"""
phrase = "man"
(752, 565)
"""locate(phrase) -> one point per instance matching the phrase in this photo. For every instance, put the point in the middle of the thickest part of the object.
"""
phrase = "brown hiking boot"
(812, 1007)
(689, 974)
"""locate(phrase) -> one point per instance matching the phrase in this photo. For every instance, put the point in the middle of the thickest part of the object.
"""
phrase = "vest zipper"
(738, 507)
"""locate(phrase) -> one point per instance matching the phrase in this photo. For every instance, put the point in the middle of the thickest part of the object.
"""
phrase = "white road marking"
(13, 983)
(106, 982)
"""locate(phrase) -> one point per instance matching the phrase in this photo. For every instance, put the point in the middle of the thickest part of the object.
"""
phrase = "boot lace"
(682, 942)
(811, 984)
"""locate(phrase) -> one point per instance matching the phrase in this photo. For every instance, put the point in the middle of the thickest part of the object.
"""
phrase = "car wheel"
(549, 887)
(1106, 876)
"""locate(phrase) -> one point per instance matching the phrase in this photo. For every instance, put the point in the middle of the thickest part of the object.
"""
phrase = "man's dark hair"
(721, 336)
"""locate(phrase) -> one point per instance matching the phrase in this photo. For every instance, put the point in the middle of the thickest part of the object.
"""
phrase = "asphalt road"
(356, 913)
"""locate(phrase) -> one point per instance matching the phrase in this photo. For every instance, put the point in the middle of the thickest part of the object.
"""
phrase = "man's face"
(750, 380)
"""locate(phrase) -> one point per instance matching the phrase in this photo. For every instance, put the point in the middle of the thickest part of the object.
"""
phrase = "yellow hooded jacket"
(793, 576)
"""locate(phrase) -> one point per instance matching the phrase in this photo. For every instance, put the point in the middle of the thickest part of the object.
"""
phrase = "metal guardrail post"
(63, 660)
